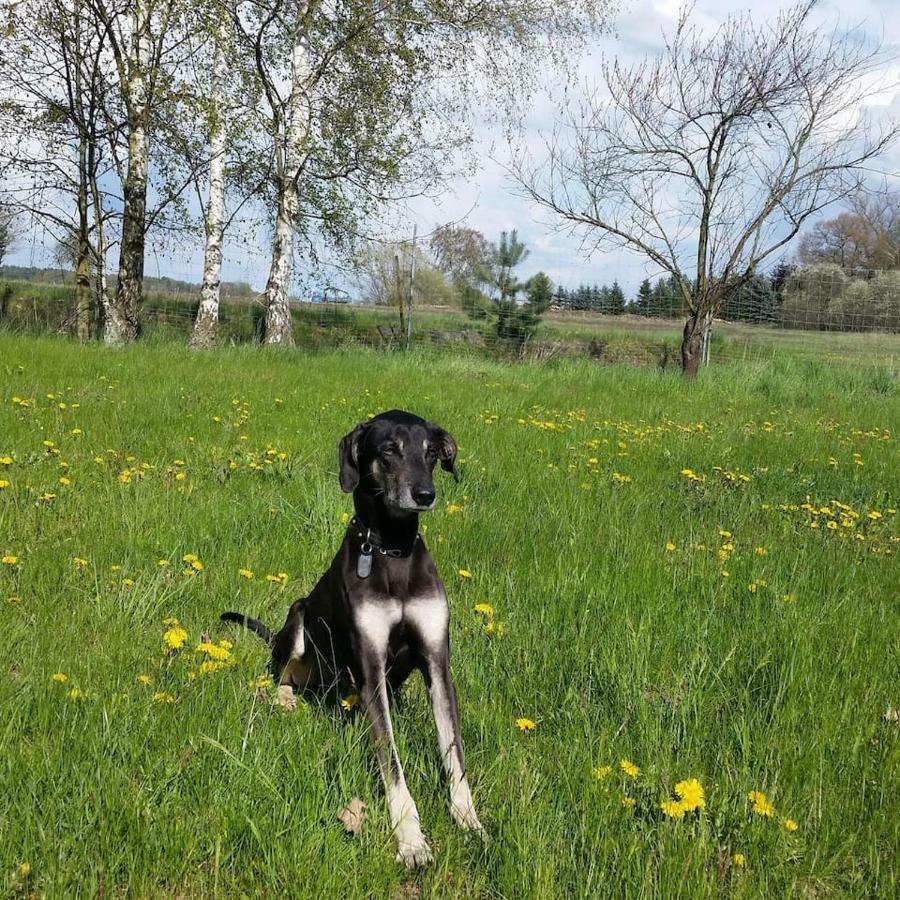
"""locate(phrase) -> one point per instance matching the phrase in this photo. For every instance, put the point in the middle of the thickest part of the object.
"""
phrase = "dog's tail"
(248, 623)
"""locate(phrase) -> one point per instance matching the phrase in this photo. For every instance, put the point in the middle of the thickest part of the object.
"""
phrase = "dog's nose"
(424, 496)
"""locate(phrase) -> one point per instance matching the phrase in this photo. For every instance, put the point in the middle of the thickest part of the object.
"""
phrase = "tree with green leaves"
(363, 104)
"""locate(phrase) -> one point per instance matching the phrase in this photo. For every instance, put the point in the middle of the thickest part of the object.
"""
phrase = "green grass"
(615, 646)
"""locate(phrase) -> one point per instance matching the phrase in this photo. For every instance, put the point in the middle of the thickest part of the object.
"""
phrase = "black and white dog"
(380, 611)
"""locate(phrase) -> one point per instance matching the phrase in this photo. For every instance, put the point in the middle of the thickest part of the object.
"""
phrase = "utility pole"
(398, 292)
(409, 295)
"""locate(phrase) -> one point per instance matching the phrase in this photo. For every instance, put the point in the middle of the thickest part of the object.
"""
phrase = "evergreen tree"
(615, 300)
(644, 298)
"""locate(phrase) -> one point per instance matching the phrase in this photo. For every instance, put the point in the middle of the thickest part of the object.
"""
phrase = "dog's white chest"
(426, 617)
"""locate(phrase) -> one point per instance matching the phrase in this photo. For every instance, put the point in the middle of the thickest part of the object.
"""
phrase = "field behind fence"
(824, 312)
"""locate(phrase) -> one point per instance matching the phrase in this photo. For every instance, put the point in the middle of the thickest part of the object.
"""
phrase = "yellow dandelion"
(162, 562)
(670, 547)
(163, 697)
(144, 679)
(628, 802)
(212, 665)
(739, 860)
(789, 824)
(213, 651)
(349, 701)
(464, 573)
(629, 768)
(80, 561)
(761, 804)
(484, 608)
(171, 620)
(175, 637)
(245, 573)
(24, 869)
(75, 694)
(691, 794)
(3, 483)
(601, 772)
(9, 560)
(674, 809)
(525, 725)
(60, 677)
(260, 682)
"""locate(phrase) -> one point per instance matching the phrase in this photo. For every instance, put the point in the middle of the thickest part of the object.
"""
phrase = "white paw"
(414, 853)
(286, 698)
(467, 819)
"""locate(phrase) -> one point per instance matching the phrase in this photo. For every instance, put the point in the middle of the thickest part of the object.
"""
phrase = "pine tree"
(644, 298)
(616, 300)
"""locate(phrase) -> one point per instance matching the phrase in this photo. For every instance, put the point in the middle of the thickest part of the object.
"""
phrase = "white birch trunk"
(102, 306)
(278, 328)
(122, 322)
(206, 325)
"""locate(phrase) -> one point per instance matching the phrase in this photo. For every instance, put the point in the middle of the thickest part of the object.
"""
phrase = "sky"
(488, 199)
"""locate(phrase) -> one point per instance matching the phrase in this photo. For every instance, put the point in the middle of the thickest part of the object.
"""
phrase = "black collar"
(367, 546)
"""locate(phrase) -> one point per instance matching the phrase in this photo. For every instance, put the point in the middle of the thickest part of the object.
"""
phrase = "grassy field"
(694, 581)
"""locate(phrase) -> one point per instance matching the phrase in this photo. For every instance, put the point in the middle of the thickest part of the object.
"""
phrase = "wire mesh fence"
(820, 311)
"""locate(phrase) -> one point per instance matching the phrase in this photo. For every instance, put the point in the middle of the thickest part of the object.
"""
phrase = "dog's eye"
(431, 451)
(390, 450)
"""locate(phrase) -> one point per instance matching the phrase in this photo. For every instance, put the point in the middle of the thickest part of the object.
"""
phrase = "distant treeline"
(164, 285)
(756, 301)
(817, 297)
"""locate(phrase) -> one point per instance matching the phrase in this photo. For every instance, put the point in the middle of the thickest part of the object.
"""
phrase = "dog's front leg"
(446, 718)
(412, 850)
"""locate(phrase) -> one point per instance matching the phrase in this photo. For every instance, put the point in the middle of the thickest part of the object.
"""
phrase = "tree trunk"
(102, 304)
(278, 328)
(206, 325)
(83, 295)
(83, 311)
(691, 344)
(123, 318)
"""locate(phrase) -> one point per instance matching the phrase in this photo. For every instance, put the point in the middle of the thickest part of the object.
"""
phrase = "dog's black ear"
(446, 450)
(348, 458)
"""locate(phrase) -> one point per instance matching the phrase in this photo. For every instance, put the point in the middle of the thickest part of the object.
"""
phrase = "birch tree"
(145, 39)
(205, 332)
(54, 132)
(708, 158)
(365, 103)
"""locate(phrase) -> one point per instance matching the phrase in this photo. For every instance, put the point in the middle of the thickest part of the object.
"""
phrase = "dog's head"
(393, 457)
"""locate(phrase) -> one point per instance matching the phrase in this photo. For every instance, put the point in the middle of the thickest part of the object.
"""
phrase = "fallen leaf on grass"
(353, 815)
(892, 715)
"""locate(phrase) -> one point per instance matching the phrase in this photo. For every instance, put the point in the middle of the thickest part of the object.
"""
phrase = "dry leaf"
(892, 715)
(353, 815)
